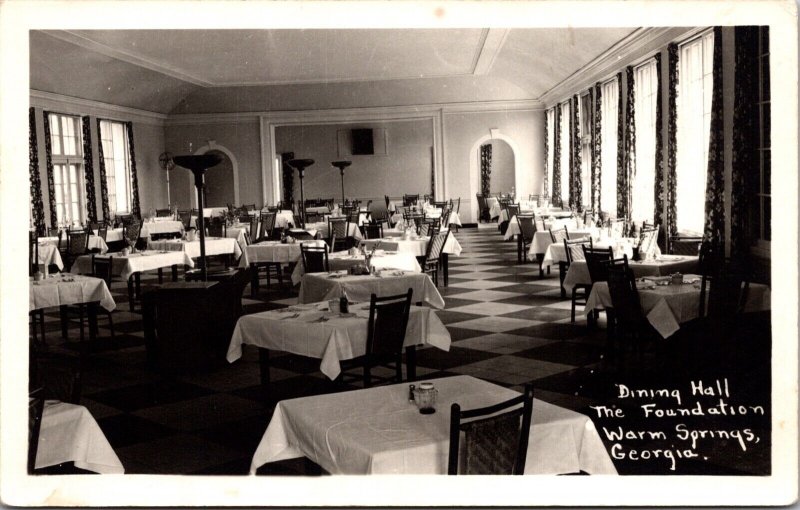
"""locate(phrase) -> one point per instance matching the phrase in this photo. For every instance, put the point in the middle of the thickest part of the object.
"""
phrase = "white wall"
(406, 167)
(502, 178)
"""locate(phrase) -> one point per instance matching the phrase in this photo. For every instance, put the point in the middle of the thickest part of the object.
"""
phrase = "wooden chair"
(428, 227)
(617, 228)
(573, 250)
(186, 218)
(315, 258)
(433, 253)
(77, 245)
(527, 229)
(338, 233)
(372, 231)
(559, 235)
(163, 213)
(631, 327)
(495, 443)
(102, 267)
(648, 241)
(483, 208)
(386, 333)
(597, 264)
(409, 200)
(131, 233)
(265, 231)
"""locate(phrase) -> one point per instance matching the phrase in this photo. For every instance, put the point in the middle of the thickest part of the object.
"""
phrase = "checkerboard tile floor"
(508, 326)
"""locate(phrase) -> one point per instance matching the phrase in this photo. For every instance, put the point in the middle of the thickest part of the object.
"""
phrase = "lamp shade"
(300, 164)
(198, 162)
(341, 165)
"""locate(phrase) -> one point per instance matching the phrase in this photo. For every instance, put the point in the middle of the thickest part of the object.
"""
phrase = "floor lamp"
(301, 165)
(341, 165)
(198, 164)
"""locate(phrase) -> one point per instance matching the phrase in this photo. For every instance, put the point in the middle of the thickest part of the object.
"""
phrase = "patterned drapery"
(715, 180)
(575, 184)
(660, 177)
(597, 148)
(288, 177)
(744, 178)
(556, 200)
(486, 168)
(135, 209)
(672, 141)
(51, 185)
(37, 205)
(88, 169)
(547, 150)
(625, 171)
(102, 169)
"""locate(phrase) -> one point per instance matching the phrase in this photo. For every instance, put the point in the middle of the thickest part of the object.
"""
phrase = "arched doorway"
(503, 178)
(510, 152)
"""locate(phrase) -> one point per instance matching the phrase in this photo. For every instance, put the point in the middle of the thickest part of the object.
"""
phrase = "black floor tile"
(126, 429)
(566, 353)
(457, 356)
(140, 396)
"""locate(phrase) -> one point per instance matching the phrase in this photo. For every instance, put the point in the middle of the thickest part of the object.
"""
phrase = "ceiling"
(178, 62)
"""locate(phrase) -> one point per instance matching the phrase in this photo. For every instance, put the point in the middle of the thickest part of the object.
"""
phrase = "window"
(764, 202)
(114, 137)
(695, 82)
(585, 116)
(565, 147)
(608, 155)
(550, 149)
(67, 154)
(645, 92)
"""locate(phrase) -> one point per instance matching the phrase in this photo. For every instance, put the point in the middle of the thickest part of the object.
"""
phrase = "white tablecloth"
(238, 233)
(338, 338)
(283, 218)
(542, 239)
(555, 252)
(322, 227)
(214, 246)
(211, 212)
(56, 291)
(49, 255)
(95, 243)
(274, 251)
(377, 431)
(669, 306)
(341, 260)
(415, 247)
(322, 287)
(125, 266)
(69, 433)
(114, 235)
(318, 210)
(161, 227)
(666, 265)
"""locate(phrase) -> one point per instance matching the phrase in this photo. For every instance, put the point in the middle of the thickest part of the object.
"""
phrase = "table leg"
(539, 260)
(411, 362)
(445, 267)
(562, 273)
(174, 272)
(160, 276)
(519, 249)
(92, 317)
(253, 280)
(137, 277)
(64, 321)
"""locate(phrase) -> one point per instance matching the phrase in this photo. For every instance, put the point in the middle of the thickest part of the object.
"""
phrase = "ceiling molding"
(86, 43)
(492, 42)
(333, 80)
(638, 45)
(78, 106)
(344, 115)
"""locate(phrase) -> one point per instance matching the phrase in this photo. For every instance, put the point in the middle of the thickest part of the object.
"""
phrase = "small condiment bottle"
(411, 389)
(343, 305)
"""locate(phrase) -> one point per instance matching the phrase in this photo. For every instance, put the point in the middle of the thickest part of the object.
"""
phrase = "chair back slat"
(527, 227)
(388, 319)
(435, 246)
(597, 262)
(315, 258)
(267, 225)
(131, 232)
(624, 295)
(559, 235)
(372, 231)
(573, 249)
(102, 268)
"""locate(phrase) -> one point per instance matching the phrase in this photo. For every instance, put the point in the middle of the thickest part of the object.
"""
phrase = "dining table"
(95, 243)
(662, 265)
(321, 227)
(160, 226)
(668, 305)
(240, 232)
(315, 287)
(394, 240)
(284, 218)
(379, 431)
(69, 433)
(380, 259)
(214, 246)
(49, 256)
(113, 235)
(129, 267)
(313, 330)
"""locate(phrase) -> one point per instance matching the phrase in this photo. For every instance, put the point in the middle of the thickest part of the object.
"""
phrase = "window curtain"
(566, 155)
(575, 187)
(51, 185)
(597, 147)
(548, 149)
(661, 176)
(643, 170)
(672, 145)
(135, 209)
(37, 205)
(486, 168)
(628, 153)
(715, 179)
(556, 196)
(288, 177)
(744, 178)
(611, 139)
(88, 178)
(102, 169)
